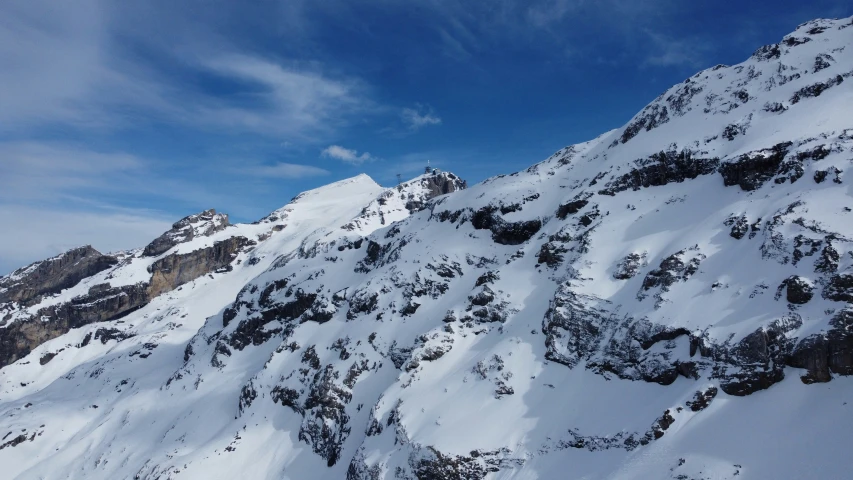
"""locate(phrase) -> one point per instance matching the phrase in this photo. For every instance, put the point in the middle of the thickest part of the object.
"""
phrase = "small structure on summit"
(429, 170)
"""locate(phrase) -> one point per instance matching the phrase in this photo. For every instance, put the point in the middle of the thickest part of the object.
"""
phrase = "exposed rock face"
(27, 285)
(740, 226)
(201, 224)
(443, 183)
(582, 328)
(661, 169)
(435, 184)
(629, 266)
(103, 302)
(374, 343)
(20, 337)
(827, 352)
(840, 288)
(175, 270)
(504, 232)
(751, 170)
(798, 290)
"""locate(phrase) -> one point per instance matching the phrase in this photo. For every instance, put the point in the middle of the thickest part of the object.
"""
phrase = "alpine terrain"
(672, 299)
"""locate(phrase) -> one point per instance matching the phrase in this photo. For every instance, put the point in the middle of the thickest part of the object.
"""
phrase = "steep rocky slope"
(669, 300)
(83, 286)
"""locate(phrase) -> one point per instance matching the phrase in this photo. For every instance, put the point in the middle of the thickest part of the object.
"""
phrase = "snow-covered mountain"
(669, 300)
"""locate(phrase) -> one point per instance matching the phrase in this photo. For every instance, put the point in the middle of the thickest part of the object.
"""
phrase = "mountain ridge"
(643, 295)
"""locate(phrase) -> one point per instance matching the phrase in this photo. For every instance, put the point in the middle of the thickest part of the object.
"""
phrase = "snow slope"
(669, 300)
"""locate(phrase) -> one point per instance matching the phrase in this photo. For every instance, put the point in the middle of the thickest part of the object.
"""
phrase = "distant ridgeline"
(600, 314)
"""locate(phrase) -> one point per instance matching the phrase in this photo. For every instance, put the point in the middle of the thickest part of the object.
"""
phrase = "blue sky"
(117, 118)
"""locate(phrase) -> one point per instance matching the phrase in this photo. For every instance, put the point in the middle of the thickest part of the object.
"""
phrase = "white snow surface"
(189, 397)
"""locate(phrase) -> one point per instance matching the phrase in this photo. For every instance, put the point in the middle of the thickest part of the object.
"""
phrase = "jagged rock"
(430, 464)
(572, 207)
(828, 260)
(740, 226)
(551, 254)
(839, 288)
(821, 175)
(798, 289)
(767, 52)
(758, 360)
(201, 224)
(27, 285)
(672, 269)
(174, 270)
(815, 89)
(288, 397)
(701, 400)
(47, 357)
(395, 297)
(325, 426)
(503, 232)
(629, 266)
(362, 302)
(20, 337)
(827, 352)
(751, 170)
(486, 278)
(774, 107)
(104, 303)
(651, 117)
(661, 169)
(358, 468)
(484, 297)
(574, 325)
(435, 184)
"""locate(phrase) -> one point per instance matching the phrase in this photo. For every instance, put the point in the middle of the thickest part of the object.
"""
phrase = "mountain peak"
(610, 304)
(200, 224)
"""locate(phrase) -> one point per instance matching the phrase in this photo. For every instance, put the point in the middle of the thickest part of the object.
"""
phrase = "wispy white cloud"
(418, 117)
(72, 65)
(293, 100)
(39, 171)
(285, 170)
(346, 155)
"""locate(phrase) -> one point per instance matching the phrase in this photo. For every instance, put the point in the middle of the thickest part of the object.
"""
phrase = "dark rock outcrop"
(751, 170)
(661, 169)
(629, 266)
(175, 270)
(798, 290)
(504, 232)
(436, 184)
(27, 285)
(678, 267)
(582, 330)
(201, 224)
(651, 117)
(325, 424)
(104, 303)
(740, 226)
(20, 337)
(827, 352)
(815, 89)
(840, 288)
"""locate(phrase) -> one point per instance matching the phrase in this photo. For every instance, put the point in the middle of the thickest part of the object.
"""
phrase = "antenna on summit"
(427, 170)
(399, 179)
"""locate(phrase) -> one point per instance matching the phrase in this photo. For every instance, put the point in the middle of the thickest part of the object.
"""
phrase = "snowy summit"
(672, 299)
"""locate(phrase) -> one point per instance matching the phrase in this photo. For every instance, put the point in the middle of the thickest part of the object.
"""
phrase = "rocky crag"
(679, 289)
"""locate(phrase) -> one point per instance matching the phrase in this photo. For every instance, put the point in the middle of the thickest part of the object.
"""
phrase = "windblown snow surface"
(614, 311)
